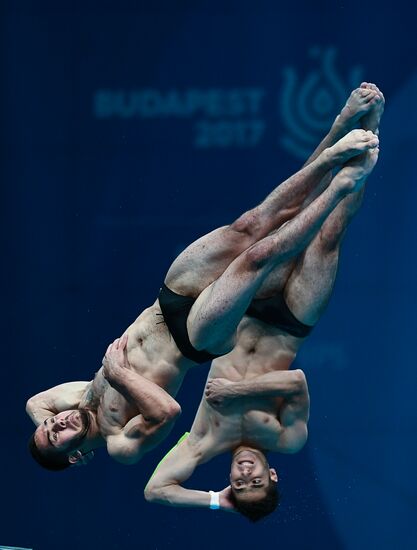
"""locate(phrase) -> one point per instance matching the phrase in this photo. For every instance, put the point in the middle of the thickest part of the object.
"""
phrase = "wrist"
(214, 500)
(239, 389)
(117, 379)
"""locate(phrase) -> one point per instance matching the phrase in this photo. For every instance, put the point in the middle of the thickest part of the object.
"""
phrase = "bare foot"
(352, 144)
(355, 172)
(358, 104)
(371, 120)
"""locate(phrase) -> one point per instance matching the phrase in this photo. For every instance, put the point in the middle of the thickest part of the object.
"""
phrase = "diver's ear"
(77, 458)
(273, 475)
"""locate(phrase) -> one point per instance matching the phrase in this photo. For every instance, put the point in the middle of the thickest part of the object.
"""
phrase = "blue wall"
(129, 131)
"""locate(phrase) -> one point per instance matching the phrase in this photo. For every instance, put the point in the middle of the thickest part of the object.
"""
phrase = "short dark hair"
(49, 461)
(258, 509)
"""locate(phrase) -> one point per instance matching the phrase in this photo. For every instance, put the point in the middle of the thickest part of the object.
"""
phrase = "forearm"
(271, 384)
(154, 403)
(175, 495)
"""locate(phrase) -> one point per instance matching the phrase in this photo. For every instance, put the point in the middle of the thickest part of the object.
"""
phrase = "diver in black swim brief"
(254, 403)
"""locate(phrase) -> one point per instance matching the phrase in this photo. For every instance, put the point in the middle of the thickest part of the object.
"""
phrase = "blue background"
(96, 206)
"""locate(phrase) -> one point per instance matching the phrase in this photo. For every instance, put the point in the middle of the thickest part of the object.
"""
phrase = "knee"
(329, 241)
(258, 255)
(248, 223)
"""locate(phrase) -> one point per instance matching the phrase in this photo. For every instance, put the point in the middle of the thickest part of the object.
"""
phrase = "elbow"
(171, 412)
(149, 493)
(30, 405)
(152, 493)
(300, 380)
(166, 414)
(302, 440)
(174, 410)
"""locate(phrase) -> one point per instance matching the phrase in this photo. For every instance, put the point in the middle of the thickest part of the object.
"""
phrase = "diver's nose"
(246, 470)
(59, 425)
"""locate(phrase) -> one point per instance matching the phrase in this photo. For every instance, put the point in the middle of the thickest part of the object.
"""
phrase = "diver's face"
(250, 474)
(62, 432)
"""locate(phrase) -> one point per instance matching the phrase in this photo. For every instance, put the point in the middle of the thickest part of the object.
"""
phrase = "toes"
(381, 95)
(370, 134)
(373, 87)
(370, 137)
(370, 97)
(367, 86)
(357, 133)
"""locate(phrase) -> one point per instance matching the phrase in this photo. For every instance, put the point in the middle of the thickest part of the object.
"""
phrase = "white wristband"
(214, 500)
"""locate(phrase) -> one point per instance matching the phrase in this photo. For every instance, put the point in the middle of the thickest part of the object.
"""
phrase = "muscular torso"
(152, 353)
(252, 421)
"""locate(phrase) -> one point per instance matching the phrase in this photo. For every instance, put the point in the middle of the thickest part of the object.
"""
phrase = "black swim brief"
(273, 311)
(175, 309)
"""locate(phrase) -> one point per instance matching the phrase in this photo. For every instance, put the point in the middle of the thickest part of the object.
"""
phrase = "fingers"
(112, 346)
(123, 342)
(118, 344)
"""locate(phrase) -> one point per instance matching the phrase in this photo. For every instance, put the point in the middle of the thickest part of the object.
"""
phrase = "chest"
(254, 424)
(260, 428)
(114, 411)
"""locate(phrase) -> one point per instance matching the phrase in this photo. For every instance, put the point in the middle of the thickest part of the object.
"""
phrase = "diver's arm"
(293, 416)
(177, 466)
(156, 406)
(165, 485)
(59, 398)
(287, 384)
(175, 495)
(138, 437)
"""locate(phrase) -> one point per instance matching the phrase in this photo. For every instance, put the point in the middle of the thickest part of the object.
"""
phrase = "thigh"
(218, 310)
(309, 287)
(204, 260)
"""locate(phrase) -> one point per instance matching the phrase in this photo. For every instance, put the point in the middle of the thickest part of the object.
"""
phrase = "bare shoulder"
(123, 449)
(62, 396)
(293, 438)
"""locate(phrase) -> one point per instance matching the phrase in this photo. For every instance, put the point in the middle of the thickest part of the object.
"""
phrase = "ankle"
(342, 125)
(327, 160)
(343, 185)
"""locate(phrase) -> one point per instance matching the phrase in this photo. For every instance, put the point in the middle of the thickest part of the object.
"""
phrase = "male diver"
(129, 406)
(253, 403)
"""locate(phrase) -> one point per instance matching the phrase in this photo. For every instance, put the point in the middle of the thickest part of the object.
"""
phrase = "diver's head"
(58, 442)
(253, 484)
